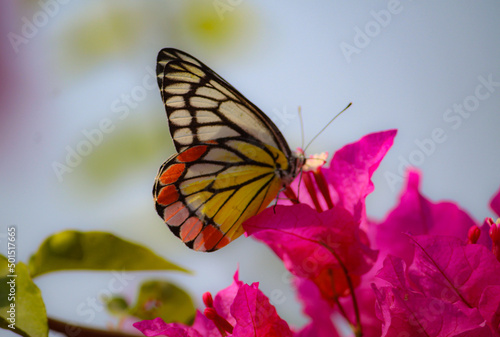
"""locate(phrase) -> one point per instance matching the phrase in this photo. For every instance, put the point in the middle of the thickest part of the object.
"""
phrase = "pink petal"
(349, 174)
(489, 307)
(352, 167)
(495, 203)
(417, 215)
(405, 311)
(255, 316)
(365, 298)
(393, 272)
(448, 269)
(203, 326)
(317, 309)
(157, 327)
(304, 239)
(225, 297)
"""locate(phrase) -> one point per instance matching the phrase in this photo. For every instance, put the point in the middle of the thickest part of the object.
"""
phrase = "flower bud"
(473, 234)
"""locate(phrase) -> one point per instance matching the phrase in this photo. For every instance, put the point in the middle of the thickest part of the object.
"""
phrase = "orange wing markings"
(168, 195)
(172, 173)
(175, 214)
(192, 153)
(210, 238)
(190, 229)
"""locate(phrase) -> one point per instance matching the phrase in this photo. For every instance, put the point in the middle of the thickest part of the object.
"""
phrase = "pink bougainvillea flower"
(347, 180)
(321, 247)
(238, 310)
(448, 271)
(489, 307)
(450, 289)
(314, 243)
(320, 240)
(157, 327)
(417, 215)
(494, 233)
(407, 312)
(494, 226)
(446, 267)
(317, 308)
(302, 237)
(328, 321)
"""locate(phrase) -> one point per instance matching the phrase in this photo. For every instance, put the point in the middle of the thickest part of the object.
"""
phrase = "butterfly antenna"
(302, 141)
(324, 128)
(301, 128)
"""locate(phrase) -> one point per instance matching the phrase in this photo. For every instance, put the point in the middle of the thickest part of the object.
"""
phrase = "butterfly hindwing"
(205, 192)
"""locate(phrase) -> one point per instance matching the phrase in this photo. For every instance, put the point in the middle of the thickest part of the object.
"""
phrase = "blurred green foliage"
(156, 298)
(217, 24)
(74, 250)
(125, 150)
(25, 303)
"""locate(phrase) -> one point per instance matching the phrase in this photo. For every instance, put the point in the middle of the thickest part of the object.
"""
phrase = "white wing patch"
(206, 133)
(176, 102)
(181, 117)
(206, 116)
(203, 102)
(239, 114)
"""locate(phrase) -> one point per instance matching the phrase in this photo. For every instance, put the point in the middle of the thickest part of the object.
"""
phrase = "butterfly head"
(296, 162)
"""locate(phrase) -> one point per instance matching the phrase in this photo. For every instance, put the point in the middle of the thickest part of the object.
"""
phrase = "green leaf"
(158, 298)
(21, 306)
(117, 306)
(74, 250)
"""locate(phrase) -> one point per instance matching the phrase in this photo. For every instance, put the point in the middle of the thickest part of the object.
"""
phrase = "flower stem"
(357, 329)
(336, 298)
(76, 330)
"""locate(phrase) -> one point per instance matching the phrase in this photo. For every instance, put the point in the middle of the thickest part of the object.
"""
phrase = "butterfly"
(231, 159)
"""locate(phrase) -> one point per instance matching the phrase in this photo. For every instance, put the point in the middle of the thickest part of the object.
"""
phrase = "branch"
(72, 330)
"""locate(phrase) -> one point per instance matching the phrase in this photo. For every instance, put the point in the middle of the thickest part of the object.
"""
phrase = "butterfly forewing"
(202, 106)
(232, 160)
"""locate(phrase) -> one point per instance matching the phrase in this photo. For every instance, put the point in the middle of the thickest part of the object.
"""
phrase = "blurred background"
(83, 130)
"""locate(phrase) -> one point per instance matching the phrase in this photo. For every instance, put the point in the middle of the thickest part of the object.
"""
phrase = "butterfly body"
(231, 163)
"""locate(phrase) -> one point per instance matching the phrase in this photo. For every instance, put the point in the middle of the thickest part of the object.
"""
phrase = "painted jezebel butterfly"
(232, 160)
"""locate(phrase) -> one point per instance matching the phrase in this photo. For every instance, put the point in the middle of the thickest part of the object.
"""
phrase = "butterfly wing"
(207, 191)
(202, 106)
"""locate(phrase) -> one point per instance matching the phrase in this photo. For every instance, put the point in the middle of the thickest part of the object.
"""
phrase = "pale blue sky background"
(78, 67)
